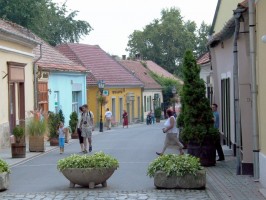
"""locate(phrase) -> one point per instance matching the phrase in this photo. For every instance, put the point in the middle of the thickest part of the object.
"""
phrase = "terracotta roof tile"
(161, 71)
(101, 65)
(52, 59)
(205, 58)
(141, 73)
(15, 29)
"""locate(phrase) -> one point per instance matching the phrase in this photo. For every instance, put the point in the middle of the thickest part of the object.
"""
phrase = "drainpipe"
(254, 91)
(35, 79)
(237, 14)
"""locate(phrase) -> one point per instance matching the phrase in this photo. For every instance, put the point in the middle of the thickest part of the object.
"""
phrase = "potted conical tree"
(53, 122)
(73, 125)
(196, 118)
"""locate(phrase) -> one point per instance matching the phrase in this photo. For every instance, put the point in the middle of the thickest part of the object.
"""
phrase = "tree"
(46, 19)
(165, 40)
(196, 118)
(61, 116)
(202, 39)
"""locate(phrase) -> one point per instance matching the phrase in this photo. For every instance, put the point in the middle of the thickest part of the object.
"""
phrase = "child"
(61, 134)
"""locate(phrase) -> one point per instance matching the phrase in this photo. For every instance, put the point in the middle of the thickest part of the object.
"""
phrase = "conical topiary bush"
(196, 118)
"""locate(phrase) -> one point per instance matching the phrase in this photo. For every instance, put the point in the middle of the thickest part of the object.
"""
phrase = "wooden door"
(43, 96)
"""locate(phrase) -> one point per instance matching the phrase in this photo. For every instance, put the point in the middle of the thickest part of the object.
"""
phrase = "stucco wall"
(115, 94)
(13, 55)
(225, 13)
(261, 72)
(64, 84)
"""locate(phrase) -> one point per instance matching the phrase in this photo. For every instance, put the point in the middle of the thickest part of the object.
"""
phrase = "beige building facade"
(16, 83)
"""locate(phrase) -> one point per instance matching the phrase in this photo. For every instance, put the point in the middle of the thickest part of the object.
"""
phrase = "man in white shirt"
(108, 117)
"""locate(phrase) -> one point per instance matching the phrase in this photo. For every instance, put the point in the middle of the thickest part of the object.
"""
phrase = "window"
(75, 107)
(145, 104)
(225, 109)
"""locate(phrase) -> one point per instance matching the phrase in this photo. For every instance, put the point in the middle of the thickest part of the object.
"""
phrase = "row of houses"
(37, 76)
(234, 70)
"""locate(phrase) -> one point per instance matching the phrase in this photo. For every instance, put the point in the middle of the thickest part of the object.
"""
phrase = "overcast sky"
(114, 20)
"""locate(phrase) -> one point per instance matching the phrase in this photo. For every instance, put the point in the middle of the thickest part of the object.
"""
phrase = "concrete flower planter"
(4, 181)
(88, 177)
(161, 180)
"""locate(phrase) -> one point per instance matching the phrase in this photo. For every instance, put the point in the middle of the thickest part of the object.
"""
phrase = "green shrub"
(73, 121)
(53, 122)
(19, 133)
(4, 167)
(37, 127)
(158, 113)
(97, 160)
(173, 164)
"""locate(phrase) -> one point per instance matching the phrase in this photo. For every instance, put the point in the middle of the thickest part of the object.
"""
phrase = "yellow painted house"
(123, 91)
(16, 82)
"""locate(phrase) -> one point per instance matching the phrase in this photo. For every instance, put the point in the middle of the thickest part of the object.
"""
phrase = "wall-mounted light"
(263, 38)
(50, 91)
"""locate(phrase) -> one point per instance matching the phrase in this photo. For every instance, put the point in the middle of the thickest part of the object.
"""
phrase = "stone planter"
(161, 180)
(4, 181)
(74, 135)
(36, 143)
(88, 177)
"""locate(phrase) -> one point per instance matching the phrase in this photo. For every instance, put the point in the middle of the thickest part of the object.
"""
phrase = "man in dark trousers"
(216, 125)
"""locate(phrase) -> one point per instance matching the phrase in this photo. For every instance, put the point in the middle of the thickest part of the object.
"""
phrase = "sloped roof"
(141, 73)
(101, 65)
(53, 60)
(229, 27)
(205, 58)
(160, 71)
(15, 30)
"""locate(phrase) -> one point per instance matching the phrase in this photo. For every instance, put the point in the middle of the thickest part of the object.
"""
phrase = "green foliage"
(202, 39)
(4, 167)
(19, 133)
(172, 164)
(73, 121)
(167, 84)
(196, 118)
(158, 113)
(37, 127)
(61, 116)
(53, 122)
(165, 40)
(46, 19)
(97, 160)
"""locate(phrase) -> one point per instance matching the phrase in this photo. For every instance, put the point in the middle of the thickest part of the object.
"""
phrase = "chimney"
(123, 57)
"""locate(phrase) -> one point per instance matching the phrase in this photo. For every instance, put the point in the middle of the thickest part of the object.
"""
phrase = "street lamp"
(174, 92)
(101, 84)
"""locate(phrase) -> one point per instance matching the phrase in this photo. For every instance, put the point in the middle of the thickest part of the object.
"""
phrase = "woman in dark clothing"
(79, 129)
(125, 117)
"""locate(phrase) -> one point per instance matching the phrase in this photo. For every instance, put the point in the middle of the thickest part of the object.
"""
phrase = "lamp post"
(174, 92)
(101, 84)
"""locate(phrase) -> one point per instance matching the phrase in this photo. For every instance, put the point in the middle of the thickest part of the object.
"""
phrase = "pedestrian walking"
(216, 119)
(108, 117)
(79, 128)
(61, 135)
(125, 119)
(152, 117)
(171, 131)
(87, 127)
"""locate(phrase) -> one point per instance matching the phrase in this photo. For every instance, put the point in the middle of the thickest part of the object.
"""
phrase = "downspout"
(254, 91)
(237, 14)
(35, 79)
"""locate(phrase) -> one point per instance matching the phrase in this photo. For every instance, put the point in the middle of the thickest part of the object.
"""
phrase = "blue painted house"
(61, 82)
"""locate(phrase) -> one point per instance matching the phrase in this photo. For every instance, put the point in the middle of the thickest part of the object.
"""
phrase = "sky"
(114, 20)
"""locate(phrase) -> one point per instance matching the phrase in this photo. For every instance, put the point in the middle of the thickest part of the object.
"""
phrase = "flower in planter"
(174, 165)
(4, 167)
(97, 160)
